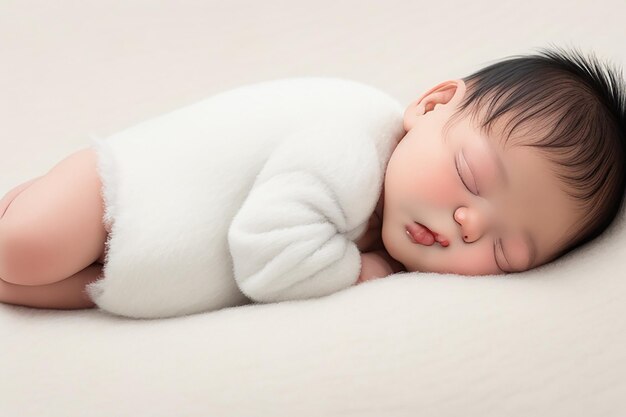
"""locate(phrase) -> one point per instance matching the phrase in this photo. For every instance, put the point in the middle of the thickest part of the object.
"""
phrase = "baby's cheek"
(438, 191)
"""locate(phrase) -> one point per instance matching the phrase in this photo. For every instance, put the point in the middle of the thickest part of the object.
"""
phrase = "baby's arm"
(292, 237)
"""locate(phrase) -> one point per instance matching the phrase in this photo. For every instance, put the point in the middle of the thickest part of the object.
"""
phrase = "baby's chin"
(467, 269)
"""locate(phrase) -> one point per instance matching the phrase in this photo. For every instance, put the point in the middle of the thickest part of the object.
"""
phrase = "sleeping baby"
(301, 187)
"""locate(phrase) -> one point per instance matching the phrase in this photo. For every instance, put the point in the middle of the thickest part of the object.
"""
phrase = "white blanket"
(258, 193)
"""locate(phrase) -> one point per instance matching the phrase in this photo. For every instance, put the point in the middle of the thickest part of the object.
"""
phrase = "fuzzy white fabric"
(255, 194)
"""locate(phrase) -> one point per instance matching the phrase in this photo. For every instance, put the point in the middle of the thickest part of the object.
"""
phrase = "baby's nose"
(461, 216)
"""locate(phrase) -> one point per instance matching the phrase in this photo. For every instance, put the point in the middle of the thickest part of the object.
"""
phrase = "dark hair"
(573, 110)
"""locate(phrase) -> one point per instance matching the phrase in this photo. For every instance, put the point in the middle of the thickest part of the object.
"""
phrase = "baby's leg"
(67, 294)
(10, 196)
(53, 228)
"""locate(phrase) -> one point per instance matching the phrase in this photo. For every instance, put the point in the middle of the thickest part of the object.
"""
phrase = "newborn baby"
(302, 187)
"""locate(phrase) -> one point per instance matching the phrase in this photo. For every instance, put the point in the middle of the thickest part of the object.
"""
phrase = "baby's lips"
(419, 234)
(442, 241)
(422, 235)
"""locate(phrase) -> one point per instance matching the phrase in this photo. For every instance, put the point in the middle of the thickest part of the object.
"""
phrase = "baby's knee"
(6, 202)
(10, 196)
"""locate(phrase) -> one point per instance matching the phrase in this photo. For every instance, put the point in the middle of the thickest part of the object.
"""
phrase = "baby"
(502, 171)
(505, 170)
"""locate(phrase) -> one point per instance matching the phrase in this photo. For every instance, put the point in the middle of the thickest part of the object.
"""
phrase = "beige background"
(551, 343)
(70, 68)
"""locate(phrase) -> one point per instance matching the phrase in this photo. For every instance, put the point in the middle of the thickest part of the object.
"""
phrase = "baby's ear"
(447, 94)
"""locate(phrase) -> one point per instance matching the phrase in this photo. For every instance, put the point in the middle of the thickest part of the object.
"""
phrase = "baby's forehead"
(514, 128)
(522, 148)
(502, 140)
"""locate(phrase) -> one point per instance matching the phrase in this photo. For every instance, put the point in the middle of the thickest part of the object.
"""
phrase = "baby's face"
(495, 210)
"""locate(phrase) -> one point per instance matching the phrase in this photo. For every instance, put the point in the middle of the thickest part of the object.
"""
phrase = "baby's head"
(512, 167)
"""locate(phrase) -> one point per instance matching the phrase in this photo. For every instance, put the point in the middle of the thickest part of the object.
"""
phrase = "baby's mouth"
(422, 235)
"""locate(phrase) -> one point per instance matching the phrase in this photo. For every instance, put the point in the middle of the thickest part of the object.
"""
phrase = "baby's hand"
(377, 264)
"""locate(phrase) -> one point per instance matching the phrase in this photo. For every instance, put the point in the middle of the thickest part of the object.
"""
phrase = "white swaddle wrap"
(254, 194)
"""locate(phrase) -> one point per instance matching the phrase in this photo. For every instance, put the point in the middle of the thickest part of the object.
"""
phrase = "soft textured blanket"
(258, 193)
